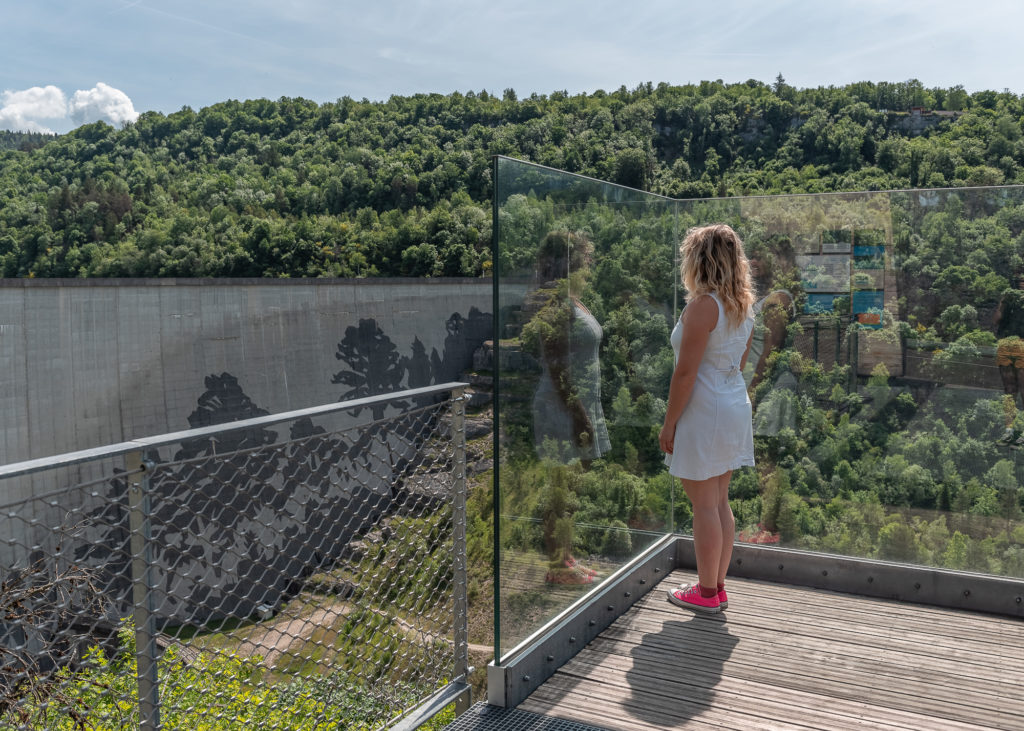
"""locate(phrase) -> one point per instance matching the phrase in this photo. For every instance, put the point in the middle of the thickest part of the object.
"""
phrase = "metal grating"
(485, 717)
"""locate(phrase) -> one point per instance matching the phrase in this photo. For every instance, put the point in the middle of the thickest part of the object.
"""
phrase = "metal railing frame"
(139, 468)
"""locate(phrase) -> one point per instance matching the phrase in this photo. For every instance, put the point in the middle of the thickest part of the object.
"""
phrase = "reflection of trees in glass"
(865, 465)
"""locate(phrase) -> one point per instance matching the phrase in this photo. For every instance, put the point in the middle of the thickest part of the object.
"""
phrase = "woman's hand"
(667, 437)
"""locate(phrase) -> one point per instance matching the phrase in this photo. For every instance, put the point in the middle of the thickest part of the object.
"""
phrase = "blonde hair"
(714, 261)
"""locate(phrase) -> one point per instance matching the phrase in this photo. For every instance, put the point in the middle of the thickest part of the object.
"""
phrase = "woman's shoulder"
(702, 310)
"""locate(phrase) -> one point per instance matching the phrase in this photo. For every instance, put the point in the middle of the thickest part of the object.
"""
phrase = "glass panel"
(586, 298)
(885, 381)
(886, 376)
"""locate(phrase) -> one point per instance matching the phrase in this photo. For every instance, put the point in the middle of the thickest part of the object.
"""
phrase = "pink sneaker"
(688, 596)
(723, 599)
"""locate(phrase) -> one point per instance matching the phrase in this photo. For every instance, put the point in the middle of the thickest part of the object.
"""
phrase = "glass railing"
(586, 289)
(887, 378)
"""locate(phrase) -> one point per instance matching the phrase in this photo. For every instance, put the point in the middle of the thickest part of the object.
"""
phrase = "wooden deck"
(784, 657)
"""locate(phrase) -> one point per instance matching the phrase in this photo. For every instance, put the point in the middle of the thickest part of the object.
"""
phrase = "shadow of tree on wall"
(241, 517)
(374, 365)
(199, 510)
(224, 401)
(465, 335)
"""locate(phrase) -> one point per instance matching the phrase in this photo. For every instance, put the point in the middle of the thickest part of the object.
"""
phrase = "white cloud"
(22, 110)
(102, 102)
(28, 110)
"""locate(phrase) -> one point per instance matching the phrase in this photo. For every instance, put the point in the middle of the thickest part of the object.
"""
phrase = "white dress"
(714, 434)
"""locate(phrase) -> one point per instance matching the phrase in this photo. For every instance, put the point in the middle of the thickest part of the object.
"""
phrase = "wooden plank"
(822, 660)
(833, 664)
(875, 606)
(793, 658)
(936, 644)
(769, 700)
(590, 702)
(807, 598)
(794, 614)
(593, 701)
(912, 697)
(856, 645)
(837, 627)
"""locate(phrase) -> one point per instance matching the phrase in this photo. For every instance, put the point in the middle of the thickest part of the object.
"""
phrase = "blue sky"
(64, 62)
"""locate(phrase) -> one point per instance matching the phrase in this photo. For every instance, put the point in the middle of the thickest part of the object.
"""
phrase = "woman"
(708, 431)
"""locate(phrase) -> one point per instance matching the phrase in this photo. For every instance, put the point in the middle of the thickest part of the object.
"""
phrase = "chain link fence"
(295, 571)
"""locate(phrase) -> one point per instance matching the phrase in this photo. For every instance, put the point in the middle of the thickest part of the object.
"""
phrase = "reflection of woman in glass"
(775, 311)
(568, 420)
(1010, 355)
(707, 431)
(770, 269)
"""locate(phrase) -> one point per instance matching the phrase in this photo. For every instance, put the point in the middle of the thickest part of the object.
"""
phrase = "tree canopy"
(292, 188)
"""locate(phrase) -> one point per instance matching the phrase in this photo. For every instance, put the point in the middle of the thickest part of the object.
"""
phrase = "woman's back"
(714, 433)
(724, 351)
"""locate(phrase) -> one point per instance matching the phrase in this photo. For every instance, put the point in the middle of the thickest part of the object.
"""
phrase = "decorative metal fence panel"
(296, 571)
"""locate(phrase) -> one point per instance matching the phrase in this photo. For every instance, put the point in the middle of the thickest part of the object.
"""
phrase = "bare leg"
(728, 523)
(707, 528)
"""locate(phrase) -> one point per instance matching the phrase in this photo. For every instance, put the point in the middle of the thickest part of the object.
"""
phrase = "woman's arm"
(743, 362)
(699, 319)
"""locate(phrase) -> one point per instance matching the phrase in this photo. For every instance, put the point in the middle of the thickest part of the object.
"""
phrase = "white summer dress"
(714, 434)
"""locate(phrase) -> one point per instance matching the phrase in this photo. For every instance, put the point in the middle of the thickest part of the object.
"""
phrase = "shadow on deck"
(784, 657)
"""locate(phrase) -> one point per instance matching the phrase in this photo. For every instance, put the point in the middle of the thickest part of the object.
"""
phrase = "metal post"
(461, 629)
(142, 595)
(815, 353)
(495, 410)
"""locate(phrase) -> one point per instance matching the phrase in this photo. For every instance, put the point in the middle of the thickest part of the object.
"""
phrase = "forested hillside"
(295, 188)
(24, 140)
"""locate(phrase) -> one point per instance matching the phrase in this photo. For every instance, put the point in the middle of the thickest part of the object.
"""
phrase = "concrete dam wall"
(87, 363)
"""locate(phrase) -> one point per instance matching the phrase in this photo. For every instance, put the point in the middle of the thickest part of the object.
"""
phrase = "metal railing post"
(142, 594)
(461, 629)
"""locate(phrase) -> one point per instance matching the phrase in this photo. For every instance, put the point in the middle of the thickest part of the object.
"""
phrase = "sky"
(67, 62)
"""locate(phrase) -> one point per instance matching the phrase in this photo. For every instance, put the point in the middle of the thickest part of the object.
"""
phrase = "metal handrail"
(28, 467)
